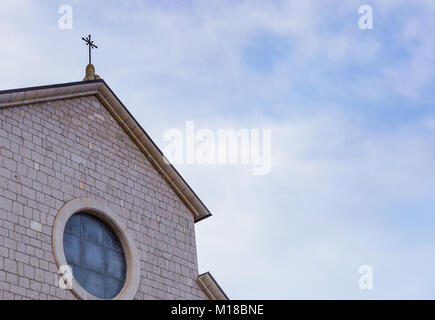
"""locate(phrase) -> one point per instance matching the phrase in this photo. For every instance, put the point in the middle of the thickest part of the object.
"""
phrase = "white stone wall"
(53, 152)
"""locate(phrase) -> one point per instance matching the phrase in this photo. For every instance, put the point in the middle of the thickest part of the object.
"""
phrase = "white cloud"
(327, 208)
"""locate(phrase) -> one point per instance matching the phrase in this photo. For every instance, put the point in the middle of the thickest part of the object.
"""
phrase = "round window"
(95, 255)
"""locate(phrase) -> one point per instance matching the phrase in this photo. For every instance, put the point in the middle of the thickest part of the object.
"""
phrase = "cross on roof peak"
(91, 46)
(90, 70)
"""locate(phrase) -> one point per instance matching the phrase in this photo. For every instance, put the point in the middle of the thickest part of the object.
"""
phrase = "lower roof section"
(209, 285)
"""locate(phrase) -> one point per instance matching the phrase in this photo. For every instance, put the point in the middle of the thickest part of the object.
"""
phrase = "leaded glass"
(95, 255)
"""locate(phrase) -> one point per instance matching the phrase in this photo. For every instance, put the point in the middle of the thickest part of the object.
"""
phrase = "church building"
(89, 206)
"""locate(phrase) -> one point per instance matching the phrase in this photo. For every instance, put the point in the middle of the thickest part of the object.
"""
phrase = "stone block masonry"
(53, 152)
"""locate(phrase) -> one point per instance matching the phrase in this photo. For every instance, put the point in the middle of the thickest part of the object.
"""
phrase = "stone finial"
(90, 73)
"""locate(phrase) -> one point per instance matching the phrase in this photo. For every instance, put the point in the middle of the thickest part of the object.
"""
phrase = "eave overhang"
(211, 288)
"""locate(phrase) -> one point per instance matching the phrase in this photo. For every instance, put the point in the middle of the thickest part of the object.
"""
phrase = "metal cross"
(90, 44)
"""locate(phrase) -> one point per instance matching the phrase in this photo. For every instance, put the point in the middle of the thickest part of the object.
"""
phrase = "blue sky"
(351, 111)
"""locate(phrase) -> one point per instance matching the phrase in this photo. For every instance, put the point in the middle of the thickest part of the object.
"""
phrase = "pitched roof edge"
(99, 88)
(210, 287)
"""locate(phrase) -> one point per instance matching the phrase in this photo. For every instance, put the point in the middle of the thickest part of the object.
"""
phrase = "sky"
(351, 112)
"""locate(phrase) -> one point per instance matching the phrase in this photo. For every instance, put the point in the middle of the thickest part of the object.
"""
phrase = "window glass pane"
(93, 255)
(112, 288)
(73, 224)
(92, 228)
(77, 273)
(115, 264)
(94, 283)
(110, 239)
(71, 246)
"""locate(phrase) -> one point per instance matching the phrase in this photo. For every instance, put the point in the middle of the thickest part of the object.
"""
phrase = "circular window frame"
(103, 212)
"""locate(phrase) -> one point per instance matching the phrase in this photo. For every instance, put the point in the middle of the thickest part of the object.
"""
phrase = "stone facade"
(53, 152)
